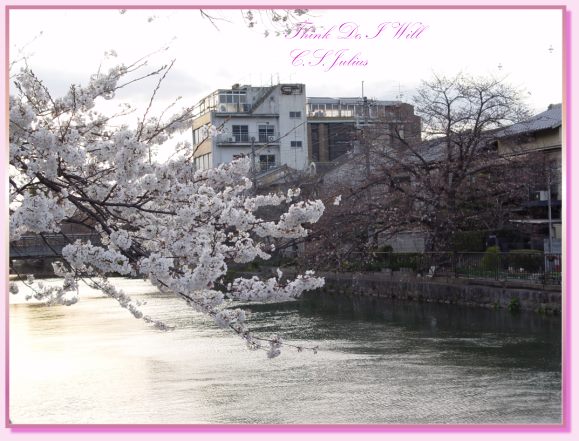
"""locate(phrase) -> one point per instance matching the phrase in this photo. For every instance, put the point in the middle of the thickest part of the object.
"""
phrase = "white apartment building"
(266, 123)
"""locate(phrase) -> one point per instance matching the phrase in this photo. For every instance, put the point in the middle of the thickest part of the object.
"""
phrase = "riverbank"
(400, 287)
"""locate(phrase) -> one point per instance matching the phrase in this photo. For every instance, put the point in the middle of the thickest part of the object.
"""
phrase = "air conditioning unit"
(231, 139)
(223, 108)
(270, 138)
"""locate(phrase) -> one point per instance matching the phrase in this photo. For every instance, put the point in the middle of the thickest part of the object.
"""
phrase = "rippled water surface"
(378, 363)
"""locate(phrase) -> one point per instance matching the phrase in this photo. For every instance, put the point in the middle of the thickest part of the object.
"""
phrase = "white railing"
(248, 138)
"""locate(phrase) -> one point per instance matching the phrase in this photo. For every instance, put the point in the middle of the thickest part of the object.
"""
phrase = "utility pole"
(253, 167)
(549, 215)
(366, 146)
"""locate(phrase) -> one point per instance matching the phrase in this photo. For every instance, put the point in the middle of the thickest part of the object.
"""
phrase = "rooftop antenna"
(362, 88)
(400, 93)
(278, 78)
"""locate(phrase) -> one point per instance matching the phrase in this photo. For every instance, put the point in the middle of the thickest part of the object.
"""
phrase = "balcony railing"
(232, 108)
(247, 138)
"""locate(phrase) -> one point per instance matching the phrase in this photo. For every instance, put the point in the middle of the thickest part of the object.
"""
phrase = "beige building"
(542, 136)
(543, 133)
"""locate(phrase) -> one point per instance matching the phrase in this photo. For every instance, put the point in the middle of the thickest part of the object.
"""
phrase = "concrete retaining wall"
(488, 294)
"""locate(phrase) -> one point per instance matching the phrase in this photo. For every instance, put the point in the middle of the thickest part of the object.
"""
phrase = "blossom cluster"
(177, 226)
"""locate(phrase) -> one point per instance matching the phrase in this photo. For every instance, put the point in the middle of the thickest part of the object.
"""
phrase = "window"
(295, 114)
(317, 109)
(347, 110)
(266, 162)
(240, 133)
(203, 162)
(401, 131)
(200, 134)
(332, 110)
(266, 133)
(232, 97)
(233, 101)
(296, 144)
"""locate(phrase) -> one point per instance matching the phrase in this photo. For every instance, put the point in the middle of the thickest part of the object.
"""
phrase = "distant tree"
(459, 181)
(451, 180)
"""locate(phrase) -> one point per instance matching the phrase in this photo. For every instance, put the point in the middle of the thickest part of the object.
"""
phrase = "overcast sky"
(526, 44)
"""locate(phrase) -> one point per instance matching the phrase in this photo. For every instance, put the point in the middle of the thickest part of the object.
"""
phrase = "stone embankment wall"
(466, 292)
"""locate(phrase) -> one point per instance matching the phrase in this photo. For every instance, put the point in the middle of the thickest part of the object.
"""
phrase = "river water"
(377, 363)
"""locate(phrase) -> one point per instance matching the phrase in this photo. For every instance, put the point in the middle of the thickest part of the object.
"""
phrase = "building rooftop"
(242, 98)
(549, 119)
(348, 100)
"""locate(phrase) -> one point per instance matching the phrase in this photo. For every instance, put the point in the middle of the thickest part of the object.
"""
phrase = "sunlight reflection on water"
(408, 364)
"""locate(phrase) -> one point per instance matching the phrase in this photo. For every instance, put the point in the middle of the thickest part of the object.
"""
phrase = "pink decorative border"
(564, 429)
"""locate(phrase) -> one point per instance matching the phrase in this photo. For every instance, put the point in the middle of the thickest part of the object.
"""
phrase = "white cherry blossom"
(179, 227)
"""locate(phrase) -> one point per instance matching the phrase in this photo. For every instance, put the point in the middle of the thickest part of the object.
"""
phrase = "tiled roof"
(549, 119)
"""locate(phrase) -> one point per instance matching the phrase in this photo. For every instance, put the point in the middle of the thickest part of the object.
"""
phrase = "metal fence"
(535, 267)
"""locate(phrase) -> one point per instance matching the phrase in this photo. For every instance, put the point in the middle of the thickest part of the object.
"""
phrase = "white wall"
(286, 128)
(296, 129)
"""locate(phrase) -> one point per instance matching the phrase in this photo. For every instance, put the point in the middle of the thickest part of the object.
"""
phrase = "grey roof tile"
(549, 119)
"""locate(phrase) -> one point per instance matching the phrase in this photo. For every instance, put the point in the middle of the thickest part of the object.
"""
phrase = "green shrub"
(491, 259)
(382, 258)
(402, 260)
(373, 265)
(529, 260)
(514, 305)
(347, 265)
(465, 241)
(382, 254)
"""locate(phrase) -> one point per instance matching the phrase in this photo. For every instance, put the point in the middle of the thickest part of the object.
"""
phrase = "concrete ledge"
(467, 292)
